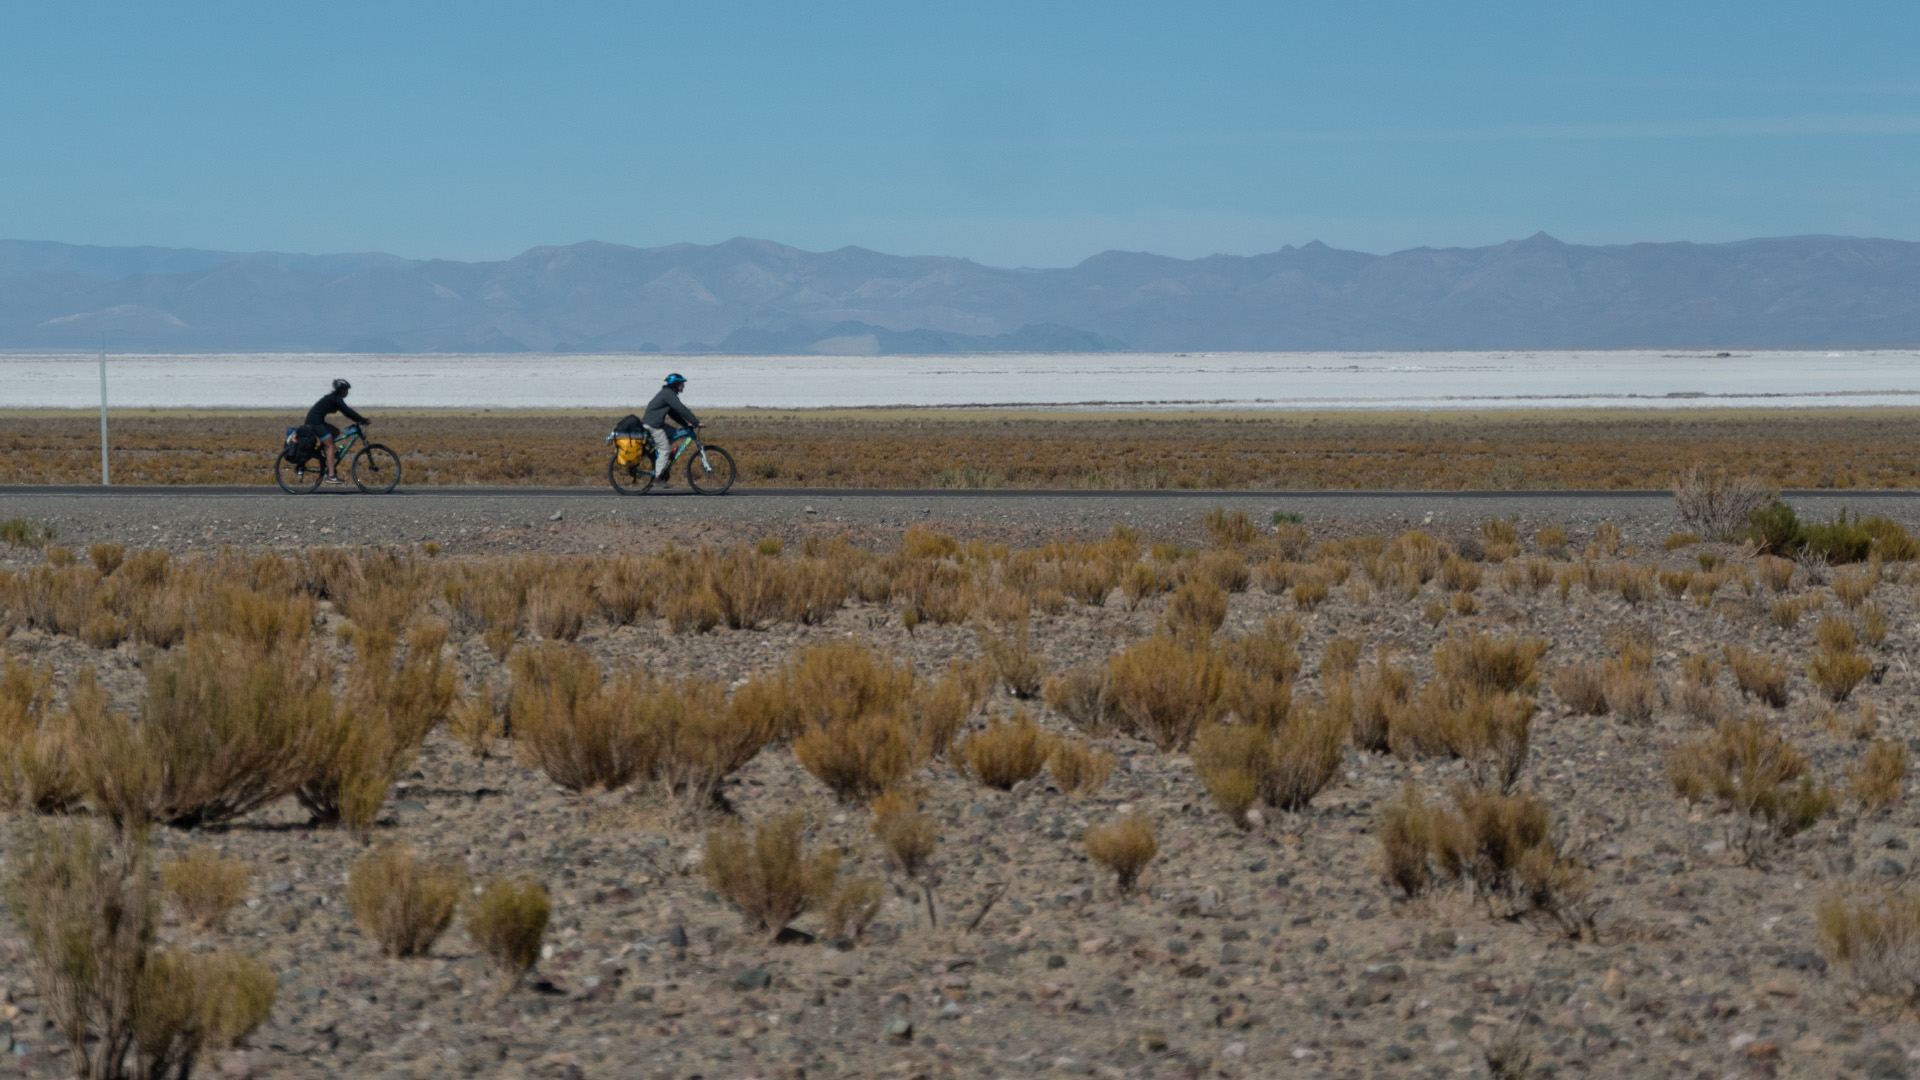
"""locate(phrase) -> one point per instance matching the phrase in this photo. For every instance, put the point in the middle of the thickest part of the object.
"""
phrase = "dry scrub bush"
(557, 607)
(1230, 526)
(1078, 768)
(1873, 624)
(1501, 846)
(1607, 536)
(1716, 503)
(1021, 669)
(851, 907)
(106, 558)
(475, 723)
(1881, 775)
(1582, 688)
(188, 1003)
(372, 741)
(1004, 753)
(908, 835)
(1551, 539)
(1752, 771)
(1837, 671)
(404, 905)
(1082, 695)
(1380, 701)
(684, 736)
(1630, 692)
(506, 922)
(1283, 767)
(1459, 575)
(1164, 690)
(1310, 590)
(625, 589)
(1775, 572)
(582, 734)
(82, 906)
(1634, 584)
(1695, 695)
(1196, 610)
(1852, 588)
(38, 769)
(768, 876)
(203, 886)
(1225, 569)
(1786, 612)
(1483, 662)
(1477, 707)
(859, 757)
(1759, 677)
(1342, 657)
(1675, 582)
(1876, 943)
(223, 730)
(1125, 847)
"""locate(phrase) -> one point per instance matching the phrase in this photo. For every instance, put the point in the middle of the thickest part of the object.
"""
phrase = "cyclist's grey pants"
(660, 441)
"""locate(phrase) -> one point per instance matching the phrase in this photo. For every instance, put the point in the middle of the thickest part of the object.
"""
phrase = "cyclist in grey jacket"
(666, 405)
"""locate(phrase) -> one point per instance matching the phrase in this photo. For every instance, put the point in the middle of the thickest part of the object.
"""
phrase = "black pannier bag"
(629, 425)
(302, 444)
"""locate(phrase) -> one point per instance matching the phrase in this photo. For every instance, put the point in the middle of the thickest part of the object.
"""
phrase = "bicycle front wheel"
(298, 479)
(376, 469)
(710, 471)
(632, 479)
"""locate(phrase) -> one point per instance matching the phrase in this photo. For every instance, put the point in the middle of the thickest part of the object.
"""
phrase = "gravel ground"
(1275, 952)
(485, 520)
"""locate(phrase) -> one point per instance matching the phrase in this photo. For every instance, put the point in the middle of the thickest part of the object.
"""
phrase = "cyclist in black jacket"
(666, 405)
(335, 402)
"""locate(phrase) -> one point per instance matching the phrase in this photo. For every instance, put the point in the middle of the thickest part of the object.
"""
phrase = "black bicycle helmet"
(676, 380)
(341, 386)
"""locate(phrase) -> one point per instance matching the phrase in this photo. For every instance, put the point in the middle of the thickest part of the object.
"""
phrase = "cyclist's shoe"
(335, 481)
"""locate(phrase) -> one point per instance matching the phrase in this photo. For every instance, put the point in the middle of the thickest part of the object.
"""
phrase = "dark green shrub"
(1775, 529)
(1842, 540)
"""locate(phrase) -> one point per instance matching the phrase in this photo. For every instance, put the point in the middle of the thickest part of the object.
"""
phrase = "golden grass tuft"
(1125, 847)
(1752, 770)
(908, 835)
(1082, 695)
(507, 921)
(1021, 669)
(1282, 767)
(203, 886)
(1875, 942)
(1881, 776)
(1004, 753)
(1483, 662)
(1163, 690)
(1582, 688)
(1078, 767)
(768, 876)
(1502, 846)
(188, 1003)
(1380, 702)
(1758, 676)
(403, 904)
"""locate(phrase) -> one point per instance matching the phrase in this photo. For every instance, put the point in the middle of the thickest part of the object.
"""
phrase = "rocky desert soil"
(1271, 952)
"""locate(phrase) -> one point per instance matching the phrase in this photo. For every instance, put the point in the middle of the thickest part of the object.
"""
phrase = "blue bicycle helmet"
(676, 379)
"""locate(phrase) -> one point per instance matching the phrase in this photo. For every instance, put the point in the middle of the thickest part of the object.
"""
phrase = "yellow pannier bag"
(632, 451)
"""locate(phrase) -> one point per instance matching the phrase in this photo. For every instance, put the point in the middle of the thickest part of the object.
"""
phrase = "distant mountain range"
(753, 296)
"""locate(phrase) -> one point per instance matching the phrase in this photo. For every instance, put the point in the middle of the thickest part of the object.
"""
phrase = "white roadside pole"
(103, 416)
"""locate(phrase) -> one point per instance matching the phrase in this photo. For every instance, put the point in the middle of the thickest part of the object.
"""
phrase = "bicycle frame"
(688, 438)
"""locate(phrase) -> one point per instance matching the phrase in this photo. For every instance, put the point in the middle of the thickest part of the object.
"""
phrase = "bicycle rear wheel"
(298, 479)
(376, 469)
(710, 471)
(632, 479)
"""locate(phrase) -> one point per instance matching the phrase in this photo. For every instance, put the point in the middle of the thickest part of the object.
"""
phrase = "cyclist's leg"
(327, 441)
(660, 451)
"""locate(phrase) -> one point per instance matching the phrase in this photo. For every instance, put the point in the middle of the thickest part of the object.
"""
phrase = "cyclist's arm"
(351, 415)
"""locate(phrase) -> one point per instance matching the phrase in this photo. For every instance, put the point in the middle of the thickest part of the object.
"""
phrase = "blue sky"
(1027, 133)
